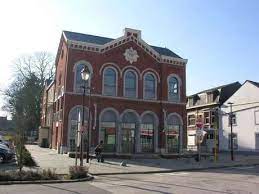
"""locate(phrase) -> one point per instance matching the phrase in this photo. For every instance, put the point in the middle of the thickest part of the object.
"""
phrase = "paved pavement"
(242, 180)
(227, 181)
(47, 158)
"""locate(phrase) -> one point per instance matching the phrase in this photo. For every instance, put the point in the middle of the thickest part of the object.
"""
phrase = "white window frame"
(179, 88)
(82, 62)
(116, 80)
(194, 118)
(137, 79)
(144, 77)
(256, 116)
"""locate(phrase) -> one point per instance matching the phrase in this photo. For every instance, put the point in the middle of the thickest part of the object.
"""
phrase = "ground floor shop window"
(147, 137)
(173, 141)
(128, 137)
(108, 135)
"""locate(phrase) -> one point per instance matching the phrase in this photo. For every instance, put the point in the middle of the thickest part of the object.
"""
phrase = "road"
(242, 180)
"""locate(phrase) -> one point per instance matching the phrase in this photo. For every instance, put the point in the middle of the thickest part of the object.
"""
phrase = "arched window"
(147, 133)
(128, 132)
(173, 89)
(173, 133)
(130, 84)
(149, 86)
(78, 81)
(75, 119)
(109, 82)
(108, 130)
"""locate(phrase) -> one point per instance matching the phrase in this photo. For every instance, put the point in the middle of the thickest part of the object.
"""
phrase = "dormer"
(134, 32)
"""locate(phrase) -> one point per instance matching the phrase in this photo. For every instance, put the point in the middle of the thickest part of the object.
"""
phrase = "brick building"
(138, 102)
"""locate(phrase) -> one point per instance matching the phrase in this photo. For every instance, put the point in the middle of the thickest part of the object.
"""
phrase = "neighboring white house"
(245, 119)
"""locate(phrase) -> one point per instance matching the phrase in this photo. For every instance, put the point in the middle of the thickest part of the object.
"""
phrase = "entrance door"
(173, 143)
(257, 141)
(128, 140)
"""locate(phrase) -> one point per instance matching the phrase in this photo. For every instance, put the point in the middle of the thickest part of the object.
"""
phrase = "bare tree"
(40, 63)
(26, 89)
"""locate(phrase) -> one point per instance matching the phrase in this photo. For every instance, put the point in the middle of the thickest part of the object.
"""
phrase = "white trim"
(109, 109)
(137, 80)
(110, 64)
(131, 111)
(126, 68)
(179, 86)
(75, 75)
(143, 83)
(130, 99)
(175, 114)
(116, 80)
(122, 40)
(151, 70)
(130, 30)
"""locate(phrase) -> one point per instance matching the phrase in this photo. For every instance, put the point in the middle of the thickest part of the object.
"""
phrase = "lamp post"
(85, 74)
(231, 130)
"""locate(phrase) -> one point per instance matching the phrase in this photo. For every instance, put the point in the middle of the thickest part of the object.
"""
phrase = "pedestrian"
(98, 152)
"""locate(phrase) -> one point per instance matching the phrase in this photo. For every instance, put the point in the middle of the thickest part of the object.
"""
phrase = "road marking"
(244, 167)
(173, 174)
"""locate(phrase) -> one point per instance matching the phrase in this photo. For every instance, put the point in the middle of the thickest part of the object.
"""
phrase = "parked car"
(4, 143)
(6, 154)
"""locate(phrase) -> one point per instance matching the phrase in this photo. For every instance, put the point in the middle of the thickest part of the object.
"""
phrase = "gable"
(246, 96)
(103, 44)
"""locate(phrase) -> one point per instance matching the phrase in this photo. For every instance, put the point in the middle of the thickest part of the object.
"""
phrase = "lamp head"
(85, 73)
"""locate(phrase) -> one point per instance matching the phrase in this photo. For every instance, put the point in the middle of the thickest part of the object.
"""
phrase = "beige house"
(245, 119)
(204, 107)
(45, 131)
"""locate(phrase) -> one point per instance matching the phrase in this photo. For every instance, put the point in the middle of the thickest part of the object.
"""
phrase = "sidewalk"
(47, 158)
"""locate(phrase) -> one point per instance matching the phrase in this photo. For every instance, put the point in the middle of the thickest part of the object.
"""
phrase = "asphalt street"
(239, 180)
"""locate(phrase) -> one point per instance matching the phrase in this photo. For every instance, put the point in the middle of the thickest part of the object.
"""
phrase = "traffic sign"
(199, 123)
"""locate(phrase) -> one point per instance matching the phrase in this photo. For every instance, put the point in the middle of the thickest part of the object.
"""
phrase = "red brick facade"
(66, 98)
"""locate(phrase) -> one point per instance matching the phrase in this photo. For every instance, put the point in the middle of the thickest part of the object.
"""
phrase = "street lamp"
(85, 75)
(231, 130)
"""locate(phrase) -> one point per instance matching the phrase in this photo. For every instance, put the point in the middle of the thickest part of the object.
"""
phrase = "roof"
(75, 36)
(87, 38)
(165, 51)
(254, 83)
(213, 89)
(48, 82)
(226, 91)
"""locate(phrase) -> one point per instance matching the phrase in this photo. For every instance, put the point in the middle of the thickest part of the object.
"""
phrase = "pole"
(88, 131)
(21, 149)
(81, 131)
(231, 131)
(215, 145)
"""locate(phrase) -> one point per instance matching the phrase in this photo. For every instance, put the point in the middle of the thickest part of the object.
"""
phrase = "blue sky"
(219, 38)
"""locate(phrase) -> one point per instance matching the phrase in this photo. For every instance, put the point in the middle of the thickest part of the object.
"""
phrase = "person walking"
(98, 152)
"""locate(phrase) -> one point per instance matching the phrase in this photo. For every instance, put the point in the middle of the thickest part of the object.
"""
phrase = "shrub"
(77, 172)
(28, 175)
(27, 159)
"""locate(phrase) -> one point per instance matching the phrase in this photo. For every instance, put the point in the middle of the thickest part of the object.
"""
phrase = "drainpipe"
(95, 115)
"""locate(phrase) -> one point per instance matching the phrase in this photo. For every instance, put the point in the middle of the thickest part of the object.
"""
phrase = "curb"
(89, 178)
(176, 170)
